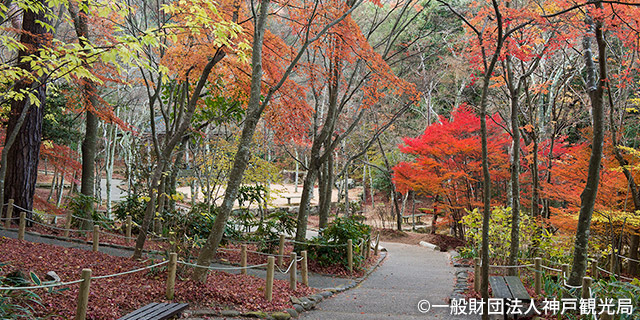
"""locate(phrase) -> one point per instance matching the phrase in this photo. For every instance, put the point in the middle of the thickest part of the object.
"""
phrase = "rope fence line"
(316, 244)
(290, 265)
(613, 274)
(34, 212)
(627, 258)
(61, 284)
(220, 268)
(550, 269)
(56, 228)
(511, 267)
(130, 271)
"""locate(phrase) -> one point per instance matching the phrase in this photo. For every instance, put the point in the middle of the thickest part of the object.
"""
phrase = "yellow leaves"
(631, 219)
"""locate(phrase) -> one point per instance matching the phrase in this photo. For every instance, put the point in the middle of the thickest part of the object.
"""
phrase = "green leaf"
(35, 278)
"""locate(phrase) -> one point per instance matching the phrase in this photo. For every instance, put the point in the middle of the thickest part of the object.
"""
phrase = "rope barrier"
(35, 212)
(60, 284)
(564, 282)
(220, 268)
(116, 235)
(289, 268)
(317, 244)
(615, 275)
(627, 258)
(549, 268)
(56, 228)
(42, 286)
(130, 271)
(507, 267)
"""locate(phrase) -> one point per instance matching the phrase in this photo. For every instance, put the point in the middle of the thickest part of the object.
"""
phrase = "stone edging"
(299, 304)
(462, 274)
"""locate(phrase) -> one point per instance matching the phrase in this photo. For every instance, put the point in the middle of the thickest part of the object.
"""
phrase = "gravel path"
(408, 275)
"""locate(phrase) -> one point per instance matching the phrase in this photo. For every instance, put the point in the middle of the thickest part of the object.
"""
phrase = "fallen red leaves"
(111, 298)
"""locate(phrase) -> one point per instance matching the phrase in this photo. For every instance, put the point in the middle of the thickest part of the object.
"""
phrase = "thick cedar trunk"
(588, 195)
(24, 152)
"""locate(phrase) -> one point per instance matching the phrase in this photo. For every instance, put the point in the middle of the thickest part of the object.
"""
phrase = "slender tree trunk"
(89, 92)
(515, 172)
(54, 183)
(535, 178)
(515, 185)
(168, 149)
(243, 154)
(588, 196)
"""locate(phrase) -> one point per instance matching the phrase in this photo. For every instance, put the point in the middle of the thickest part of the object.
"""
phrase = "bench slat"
(137, 312)
(517, 288)
(156, 311)
(499, 288)
(165, 313)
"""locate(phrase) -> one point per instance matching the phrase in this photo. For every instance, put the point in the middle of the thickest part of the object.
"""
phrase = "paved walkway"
(408, 275)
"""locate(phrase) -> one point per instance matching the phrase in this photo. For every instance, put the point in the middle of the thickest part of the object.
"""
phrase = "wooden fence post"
(586, 293)
(537, 262)
(96, 240)
(350, 254)
(293, 272)
(128, 228)
(594, 270)
(304, 268)
(7, 223)
(565, 272)
(67, 224)
(367, 248)
(268, 291)
(375, 251)
(171, 275)
(23, 223)
(243, 259)
(83, 295)
(281, 250)
(476, 274)
(586, 284)
(612, 263)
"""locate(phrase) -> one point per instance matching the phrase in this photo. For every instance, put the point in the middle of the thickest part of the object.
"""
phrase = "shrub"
(133, 206)
(533, 238)
(329, 247)
(17, 304)
(77, 204)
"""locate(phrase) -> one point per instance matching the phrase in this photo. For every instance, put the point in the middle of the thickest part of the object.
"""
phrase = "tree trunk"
(254, 112)
(515, 170)
(303, 210)
(588, 195)
(19, 167)
(535, 178)
(324, 209)
(168, 148)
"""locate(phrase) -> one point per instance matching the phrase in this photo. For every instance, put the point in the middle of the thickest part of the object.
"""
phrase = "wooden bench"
(292, 197)
(509, 288)
(156, 311)
(406, 218)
